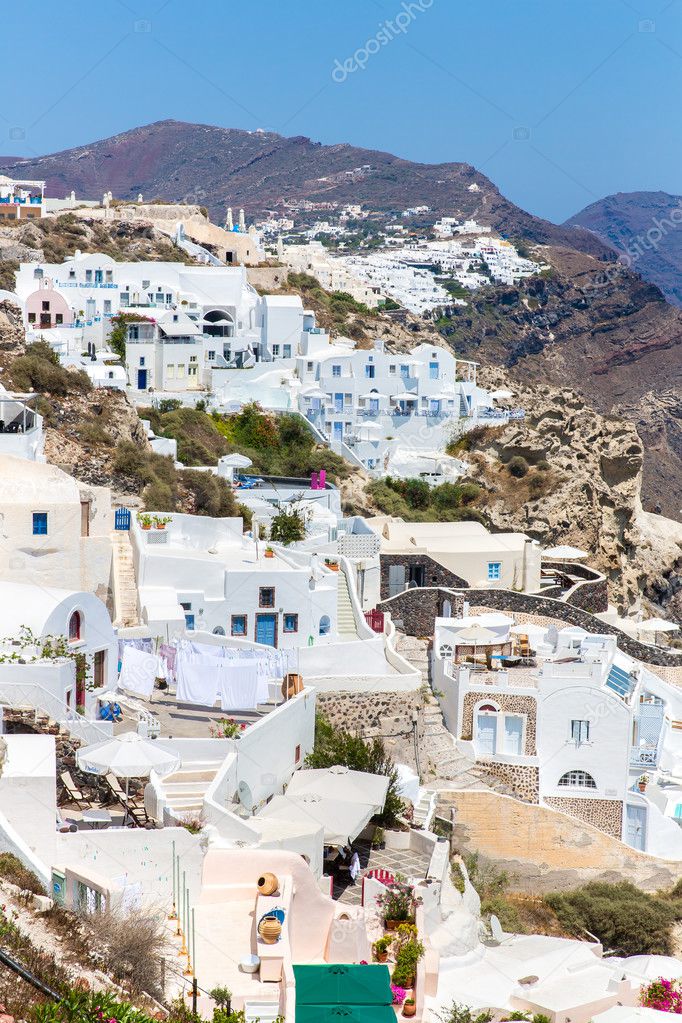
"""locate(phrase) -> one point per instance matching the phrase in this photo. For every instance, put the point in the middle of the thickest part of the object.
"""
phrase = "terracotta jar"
(268, 884)
(292, 685)
(270, 929)
(409, 1008)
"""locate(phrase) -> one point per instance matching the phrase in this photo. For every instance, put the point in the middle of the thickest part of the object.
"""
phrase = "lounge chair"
(74, 793)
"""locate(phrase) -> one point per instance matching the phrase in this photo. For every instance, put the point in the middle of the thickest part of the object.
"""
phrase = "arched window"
(75, 624)
(445, 650)
(219, 631)
(325, 625)
(577, 780)
(487, 708)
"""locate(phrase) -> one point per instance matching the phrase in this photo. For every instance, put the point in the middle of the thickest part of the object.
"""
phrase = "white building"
(204, 574)
(568, 721)
(56, 531)
(21, 200)
(21, 427)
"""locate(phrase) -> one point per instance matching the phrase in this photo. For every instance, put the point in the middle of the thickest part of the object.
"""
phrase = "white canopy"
(657, 625)
(236, 460)
(127, 756)
(370, 428)
(342, 801)
(341, 783)
(565, 553)
(477, 634)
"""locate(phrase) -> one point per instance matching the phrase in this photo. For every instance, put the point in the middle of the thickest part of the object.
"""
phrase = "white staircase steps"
(125, 586)
(184, 790)
(346, 625)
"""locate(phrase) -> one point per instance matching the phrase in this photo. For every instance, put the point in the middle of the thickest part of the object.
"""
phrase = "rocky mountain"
(646, 229)
(260, 170)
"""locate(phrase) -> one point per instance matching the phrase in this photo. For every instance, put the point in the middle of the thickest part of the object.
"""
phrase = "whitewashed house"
(578, 725)
(200, 573)
(56, 532)
(21, 427)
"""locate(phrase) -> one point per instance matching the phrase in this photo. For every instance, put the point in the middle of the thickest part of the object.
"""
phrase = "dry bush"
(131, 948)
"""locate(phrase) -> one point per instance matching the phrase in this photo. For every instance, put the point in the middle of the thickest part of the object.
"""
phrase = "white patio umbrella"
(565, 553)
(127, 756)
(371, 429)
(656, 625)
(477, 635)
(236, 460)
(342, 784)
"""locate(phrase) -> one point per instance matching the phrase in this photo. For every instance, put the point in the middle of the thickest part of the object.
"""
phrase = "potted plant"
(269, 553)
(643, 782)
(407, 957)
(144, 520)
(379, 839)
(332, 564)
(380, 949)
(161, 521)
(398, 903)
(409, 1007)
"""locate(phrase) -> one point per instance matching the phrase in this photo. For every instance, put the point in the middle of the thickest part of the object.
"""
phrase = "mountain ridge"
(645, 229)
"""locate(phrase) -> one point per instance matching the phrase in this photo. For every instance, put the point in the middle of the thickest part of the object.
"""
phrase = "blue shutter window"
(40, 523)
(494, 570)
(238, 625)
(291, 623)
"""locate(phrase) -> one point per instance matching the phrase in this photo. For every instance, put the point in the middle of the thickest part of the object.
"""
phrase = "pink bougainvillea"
(661, 994)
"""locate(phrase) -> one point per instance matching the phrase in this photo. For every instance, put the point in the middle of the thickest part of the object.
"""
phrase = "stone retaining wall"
(522, 779)
(418, 608)
(434, 574)
(544, 850)
(380, 713)
(604, 814)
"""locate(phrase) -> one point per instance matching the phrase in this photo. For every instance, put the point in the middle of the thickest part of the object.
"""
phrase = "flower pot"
(382, 957)
(270, 930)
(641, 786)
(269, 554)
(409, 1009)
(160, 525)
(268, 884)
(146, 527)
(392, 925)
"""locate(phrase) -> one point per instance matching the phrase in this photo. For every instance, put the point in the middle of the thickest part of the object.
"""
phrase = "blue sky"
(559, 102)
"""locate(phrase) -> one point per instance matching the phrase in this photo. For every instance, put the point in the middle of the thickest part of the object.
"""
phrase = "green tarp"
(337, 992)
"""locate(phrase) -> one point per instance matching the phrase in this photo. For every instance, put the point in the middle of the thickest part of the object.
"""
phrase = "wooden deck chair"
(74, 793)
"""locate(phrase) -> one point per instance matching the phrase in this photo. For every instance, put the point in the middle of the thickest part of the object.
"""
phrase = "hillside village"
(338, 669)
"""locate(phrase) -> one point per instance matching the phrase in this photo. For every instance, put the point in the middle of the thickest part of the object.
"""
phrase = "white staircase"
(126, 610)
(261, 1012)
(183, 792)
(425, 809)
(344, 609)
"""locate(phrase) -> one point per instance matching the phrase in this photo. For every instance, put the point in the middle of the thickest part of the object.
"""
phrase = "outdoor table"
(97, 818)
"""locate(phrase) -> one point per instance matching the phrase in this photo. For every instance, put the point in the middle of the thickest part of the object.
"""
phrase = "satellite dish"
(245, 795)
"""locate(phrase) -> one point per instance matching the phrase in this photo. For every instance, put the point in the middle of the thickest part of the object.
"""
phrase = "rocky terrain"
(644, 227)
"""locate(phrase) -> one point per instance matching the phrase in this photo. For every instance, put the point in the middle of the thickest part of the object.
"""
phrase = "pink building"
(47, 308)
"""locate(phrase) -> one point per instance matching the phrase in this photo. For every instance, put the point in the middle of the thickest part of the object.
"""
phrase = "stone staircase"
(183, 792)
(443, 764)
(125, 587)
(346, 626)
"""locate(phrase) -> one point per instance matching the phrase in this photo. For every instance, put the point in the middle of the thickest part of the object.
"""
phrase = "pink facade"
(47, 308)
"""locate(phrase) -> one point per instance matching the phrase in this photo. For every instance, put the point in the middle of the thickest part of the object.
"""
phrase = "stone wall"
(604, 814)
(381, 713)
(522, 779)
(591, 595)
(508, 702)
(414, 611)
(418, 608)
(434, 574)
(544, 850)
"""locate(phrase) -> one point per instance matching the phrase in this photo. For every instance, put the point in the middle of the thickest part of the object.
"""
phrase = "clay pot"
(270, 929)
(381, 957)
(409, 1010)
(147, 527)
(292, 685)
(268, 884)
(641, 786)
(269, 554)
(392, 925)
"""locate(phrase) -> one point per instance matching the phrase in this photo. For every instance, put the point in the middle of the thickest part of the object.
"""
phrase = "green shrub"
(38, 369)
(621, 916)
(212, 495)
(92, 432)
(459, 1013)
(406, 960)
(517, 466)
(287, 527)
(13, 870)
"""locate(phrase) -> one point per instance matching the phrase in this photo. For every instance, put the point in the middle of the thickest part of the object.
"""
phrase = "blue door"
(338, 402)
(266, 630)
(635, 826)
(142, 379)
(338, 431)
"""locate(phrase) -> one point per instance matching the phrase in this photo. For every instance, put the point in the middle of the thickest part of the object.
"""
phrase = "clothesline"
(202, 673)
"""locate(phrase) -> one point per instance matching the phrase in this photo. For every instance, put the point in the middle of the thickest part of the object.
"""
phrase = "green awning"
(344, 1014)
(336, 992)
